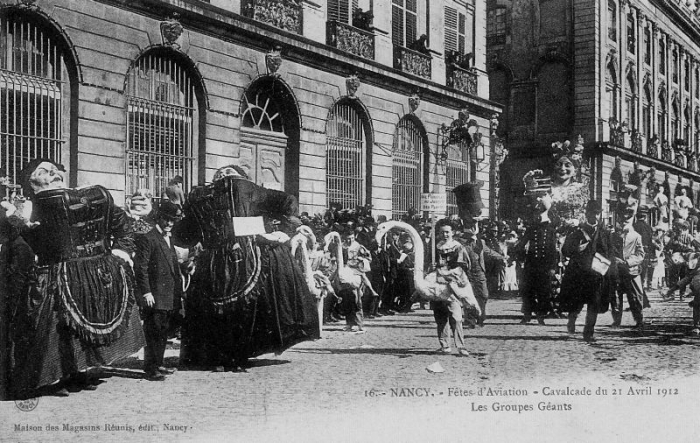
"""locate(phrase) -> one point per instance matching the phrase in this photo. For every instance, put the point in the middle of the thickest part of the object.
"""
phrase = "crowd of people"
(235, 270)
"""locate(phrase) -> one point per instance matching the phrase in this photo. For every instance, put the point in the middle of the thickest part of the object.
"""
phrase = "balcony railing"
(350, 39)
(458, 73)
(412, 62)
(283, 14)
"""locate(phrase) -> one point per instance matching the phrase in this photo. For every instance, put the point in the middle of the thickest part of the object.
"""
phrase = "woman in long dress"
(248, 296)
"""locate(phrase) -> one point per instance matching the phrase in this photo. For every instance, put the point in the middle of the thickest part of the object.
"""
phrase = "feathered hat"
(566, 149)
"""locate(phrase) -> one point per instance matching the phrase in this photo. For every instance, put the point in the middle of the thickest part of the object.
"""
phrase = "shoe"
(90, 387)
(359, 331)
(615, 324)
(166, 371)
(445, 350)
(639, 326)
(379, 314)
(219, 369)
(347, 329)
(589, 339)
(63, 392)
(540, 321)
(370, 316)
(463, 353)
(155, 377)
(524, 321)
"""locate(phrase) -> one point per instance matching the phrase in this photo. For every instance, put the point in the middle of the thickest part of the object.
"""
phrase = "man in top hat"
(580, 284)
(159, 284)
(468, 196)
(626, 255)
(538, 249)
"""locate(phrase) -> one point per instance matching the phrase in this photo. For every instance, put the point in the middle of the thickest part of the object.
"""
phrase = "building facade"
(622, 74)
(340, 101)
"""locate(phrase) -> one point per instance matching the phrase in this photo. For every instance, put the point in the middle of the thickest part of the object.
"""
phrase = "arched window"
(686, 124)
(647, 45)
(457, 172)
(34, 94)
(696, 147)
(499, 92)
(553, 100)
(662, 57)
(612, 20)
(162, 124)
(631, 101)
(347, 160)
(675, 66)
(409, 166)
(611, 87)
(631, 33)
(661, 116)
(646, 112)
(675, 120)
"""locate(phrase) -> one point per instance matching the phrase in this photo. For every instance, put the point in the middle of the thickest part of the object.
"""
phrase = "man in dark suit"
(159, 283)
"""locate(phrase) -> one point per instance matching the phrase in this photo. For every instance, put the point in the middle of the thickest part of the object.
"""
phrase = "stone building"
(622, 74)
(350, 102)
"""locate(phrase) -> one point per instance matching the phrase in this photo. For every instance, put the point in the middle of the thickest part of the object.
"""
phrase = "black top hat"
(169, 211)
(468, 197)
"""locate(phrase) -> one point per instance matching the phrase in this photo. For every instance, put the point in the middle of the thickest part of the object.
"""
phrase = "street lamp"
(462, 131)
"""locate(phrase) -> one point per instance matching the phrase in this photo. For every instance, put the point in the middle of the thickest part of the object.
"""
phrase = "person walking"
(581, 285)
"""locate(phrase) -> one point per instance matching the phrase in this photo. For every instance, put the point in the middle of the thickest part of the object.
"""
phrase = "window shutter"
(397, 25)
(451, 35)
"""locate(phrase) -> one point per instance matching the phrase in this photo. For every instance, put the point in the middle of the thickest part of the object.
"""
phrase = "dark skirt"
(52, 338)
(276, 310)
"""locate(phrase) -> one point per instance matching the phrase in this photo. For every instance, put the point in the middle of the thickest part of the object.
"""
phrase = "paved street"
(375, 387)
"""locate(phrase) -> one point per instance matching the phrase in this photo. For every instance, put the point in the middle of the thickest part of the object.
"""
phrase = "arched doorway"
(269, 149)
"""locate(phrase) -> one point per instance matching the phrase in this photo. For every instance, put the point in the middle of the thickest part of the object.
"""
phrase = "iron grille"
(407, 167)
(31, 96)
(457, 172)
(346, 158)
(161, 125)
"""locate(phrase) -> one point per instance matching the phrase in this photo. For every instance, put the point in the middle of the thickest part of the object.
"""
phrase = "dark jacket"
(157, 271)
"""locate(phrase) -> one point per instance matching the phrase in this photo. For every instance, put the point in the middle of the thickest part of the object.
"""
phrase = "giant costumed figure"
(248, 295)
(82, 307)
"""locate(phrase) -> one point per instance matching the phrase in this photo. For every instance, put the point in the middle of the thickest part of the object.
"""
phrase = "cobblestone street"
(375, 386)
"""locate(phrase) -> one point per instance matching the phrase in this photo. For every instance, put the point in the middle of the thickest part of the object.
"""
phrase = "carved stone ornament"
(352, 84)
(414, 102)
(171, 30)
(273, 60)
(26, 3)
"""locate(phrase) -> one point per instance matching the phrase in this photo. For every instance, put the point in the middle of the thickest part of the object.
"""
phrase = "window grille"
(262, 112)
(32, 92)
(407, 168)
(161, 125)
(457, 172)
(346, 157)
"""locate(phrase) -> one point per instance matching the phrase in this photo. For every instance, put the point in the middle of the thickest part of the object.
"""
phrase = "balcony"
(283, 14)
(412, 62)
(350, 39)
(459, 75)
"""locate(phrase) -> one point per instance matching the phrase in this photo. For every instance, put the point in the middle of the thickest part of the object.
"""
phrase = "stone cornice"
(228, 26)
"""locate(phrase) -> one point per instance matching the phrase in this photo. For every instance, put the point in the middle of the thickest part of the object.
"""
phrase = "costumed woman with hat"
(248, 295)
(83, 310)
